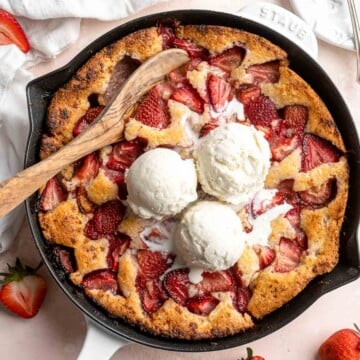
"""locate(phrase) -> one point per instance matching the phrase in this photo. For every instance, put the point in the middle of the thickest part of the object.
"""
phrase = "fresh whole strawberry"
(11, 32)
(250, 355)
(342, 345)
(23, 290)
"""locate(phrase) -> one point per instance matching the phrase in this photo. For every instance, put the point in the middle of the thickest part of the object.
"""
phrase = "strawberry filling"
(266, 255)
(176, 284)
(229, 59)
(288, 256)
(219, 92)
(118, 244)
(66, 258)
(52, 195)
(202, 305)
(152, 264)
(85, 121)
(188, 96)
(89, 168)
(194, 51)
(267, 72)
(211, 125)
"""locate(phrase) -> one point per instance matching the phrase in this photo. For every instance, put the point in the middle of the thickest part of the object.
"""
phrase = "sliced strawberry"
(117, 177)
(288, 256)
(219, 92)
(84, 204)
(261, 111)
(267, 72)
(229, 59)
(12, 33)
(89, 168)
(293, 216)
(101, 280)
(152, 294)
(211, 125)
(259, 207)
(286, 188)
(216, 281)
(152, 111)
(282, 146)
(295, 117)
(84, 122)
(167, 34)
(318, 196)
(202, 305)
(241, 299)
(266, 255)
(66, 258)
(176, 283)
(124, 153)
(165, 89)
(118, 244)
(301, 239)
(52, 195)
(189, 97)
(105, 220)
(194, 51)
(23, 291)
(317, 151)
(153, 263)
(247, 93)
(178, 76)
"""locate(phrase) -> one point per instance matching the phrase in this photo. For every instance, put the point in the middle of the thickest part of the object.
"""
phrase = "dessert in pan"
(222, 201)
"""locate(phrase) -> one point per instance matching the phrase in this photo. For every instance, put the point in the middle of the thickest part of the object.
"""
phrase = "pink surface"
(58, 331)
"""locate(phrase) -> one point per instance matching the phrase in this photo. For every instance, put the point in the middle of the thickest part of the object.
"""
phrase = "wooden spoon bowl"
(107, 128)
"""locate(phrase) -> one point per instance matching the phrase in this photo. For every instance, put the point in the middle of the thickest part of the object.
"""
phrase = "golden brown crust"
(270, 289)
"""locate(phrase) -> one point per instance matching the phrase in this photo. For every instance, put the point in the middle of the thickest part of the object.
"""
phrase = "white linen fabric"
(50, 25)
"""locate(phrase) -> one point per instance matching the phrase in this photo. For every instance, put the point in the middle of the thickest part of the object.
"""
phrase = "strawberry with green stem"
(250, 355)
(23, 290)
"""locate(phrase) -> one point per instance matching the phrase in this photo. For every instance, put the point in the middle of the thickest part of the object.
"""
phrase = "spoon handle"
(105, 130)
(356, 30)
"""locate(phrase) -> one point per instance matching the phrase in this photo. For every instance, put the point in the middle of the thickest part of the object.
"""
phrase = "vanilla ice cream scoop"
(209, 236)
(232, 162)
(160, 183)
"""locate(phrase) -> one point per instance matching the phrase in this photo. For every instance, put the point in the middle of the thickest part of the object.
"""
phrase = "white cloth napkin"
(50, 25)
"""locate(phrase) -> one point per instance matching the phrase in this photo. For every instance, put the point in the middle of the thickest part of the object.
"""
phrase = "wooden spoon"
(105, 130)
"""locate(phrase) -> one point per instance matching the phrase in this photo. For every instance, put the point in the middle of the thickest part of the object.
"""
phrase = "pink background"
(58, 331)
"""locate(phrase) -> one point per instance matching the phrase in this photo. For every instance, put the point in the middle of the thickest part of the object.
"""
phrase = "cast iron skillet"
(39, 93)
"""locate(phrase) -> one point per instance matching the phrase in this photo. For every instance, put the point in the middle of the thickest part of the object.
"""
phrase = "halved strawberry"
(261, 111)
(317, 151)
(266, 255)
(266, 72)
(12, 33)
(152, 111)
(229, 59)
(211, 125)
(202, 305)
(219, 92)
(318, 196)
(23, 291)
(66, 258)
(84, 122)
(194, 51)
(282, 146)
(153, 263)
(124, 153)
(52, 195)
(188, 96)
(295, 117)
(241, 299)
(216, 281)
(89, 168)
(247, 92)
(118, 244)
(176, 283)
(288, 256)
(259, 207)
(101, 280)
(105, 220)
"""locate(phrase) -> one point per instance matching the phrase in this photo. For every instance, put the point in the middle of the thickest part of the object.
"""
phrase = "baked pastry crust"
(270, 289)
